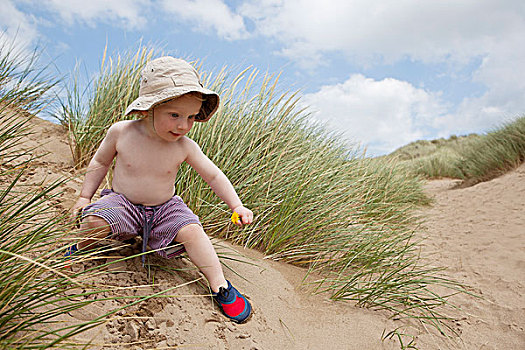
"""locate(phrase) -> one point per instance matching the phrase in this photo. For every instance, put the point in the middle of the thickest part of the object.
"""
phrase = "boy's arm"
(98, 168)
(217, 180)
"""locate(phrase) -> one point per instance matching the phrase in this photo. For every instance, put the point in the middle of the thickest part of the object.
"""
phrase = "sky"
(381, 73)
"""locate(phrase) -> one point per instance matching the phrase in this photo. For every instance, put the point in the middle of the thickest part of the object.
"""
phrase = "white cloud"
(371, 34)
(17, 27)
(503, 74)
(209, 16)
(381, 115)
(424, 30)
(125, 13)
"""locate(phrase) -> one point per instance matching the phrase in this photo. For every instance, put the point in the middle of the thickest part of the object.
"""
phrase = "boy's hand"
(76, 210)
(245, 216)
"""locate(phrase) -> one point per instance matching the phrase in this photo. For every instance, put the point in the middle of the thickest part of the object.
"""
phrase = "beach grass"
(318, 203)
(434, 158)
(472, 158)
(495, 153)
(29, 283)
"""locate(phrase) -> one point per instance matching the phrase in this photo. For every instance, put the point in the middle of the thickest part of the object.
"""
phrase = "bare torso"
(146, 168)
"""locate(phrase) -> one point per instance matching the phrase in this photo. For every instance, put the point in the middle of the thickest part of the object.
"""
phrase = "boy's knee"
(189, 232)
(94, 222)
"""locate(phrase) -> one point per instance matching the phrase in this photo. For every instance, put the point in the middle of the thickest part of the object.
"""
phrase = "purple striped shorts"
(127, 220)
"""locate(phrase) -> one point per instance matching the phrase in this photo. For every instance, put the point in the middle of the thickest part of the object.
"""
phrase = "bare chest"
(137, 157)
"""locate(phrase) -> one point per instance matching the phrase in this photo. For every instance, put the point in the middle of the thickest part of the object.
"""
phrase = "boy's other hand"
(76, 210)
(245, 215)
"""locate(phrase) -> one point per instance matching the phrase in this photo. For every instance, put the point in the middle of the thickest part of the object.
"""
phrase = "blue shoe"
(233, 304)
(71, 250)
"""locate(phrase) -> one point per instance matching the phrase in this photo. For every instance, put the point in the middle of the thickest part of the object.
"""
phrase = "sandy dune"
(477, 232)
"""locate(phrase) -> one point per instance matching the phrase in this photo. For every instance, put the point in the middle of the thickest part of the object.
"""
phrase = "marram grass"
(318, 204)
(494, 153)
(473, 158)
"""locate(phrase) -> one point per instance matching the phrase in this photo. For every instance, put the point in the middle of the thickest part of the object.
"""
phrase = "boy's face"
(173, 119)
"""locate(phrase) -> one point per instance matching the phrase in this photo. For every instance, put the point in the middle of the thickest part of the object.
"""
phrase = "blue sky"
(384, 73)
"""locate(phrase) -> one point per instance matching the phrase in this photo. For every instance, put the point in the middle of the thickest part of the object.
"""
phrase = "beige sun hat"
(166, 78)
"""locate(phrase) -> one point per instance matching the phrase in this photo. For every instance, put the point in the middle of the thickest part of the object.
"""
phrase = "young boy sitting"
(148, 153)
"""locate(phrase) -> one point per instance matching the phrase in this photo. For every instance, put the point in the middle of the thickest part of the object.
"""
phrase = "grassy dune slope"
(473, 158)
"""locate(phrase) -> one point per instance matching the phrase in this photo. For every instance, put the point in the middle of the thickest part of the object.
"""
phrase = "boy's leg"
(201, 253)
(111, 215)
(95, 229)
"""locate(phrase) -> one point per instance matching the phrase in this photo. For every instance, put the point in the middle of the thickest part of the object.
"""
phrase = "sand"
(479, 234)
(476, 232)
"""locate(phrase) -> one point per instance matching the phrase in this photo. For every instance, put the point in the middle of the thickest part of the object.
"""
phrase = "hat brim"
(146, 102)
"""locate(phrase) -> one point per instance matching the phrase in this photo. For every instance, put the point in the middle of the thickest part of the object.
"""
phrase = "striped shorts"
(157, 225)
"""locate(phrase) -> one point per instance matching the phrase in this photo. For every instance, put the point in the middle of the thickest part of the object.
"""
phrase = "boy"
(148, 152)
